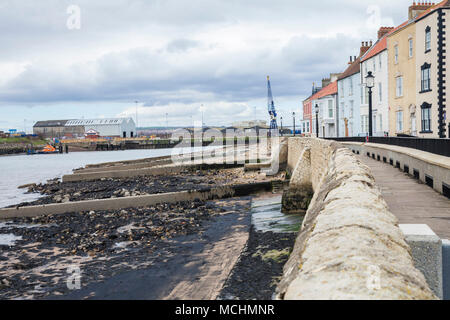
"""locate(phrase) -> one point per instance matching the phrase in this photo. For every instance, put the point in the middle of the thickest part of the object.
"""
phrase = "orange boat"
(48, 149)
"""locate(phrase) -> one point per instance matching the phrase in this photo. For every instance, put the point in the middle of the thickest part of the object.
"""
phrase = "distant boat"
(48, 149)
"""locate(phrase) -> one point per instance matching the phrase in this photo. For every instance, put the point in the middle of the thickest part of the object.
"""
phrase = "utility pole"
(136, 117)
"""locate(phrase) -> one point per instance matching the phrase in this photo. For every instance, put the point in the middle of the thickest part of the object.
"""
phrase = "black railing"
(436, 146)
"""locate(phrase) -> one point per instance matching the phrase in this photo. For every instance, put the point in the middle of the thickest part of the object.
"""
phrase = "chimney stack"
(384, 31)
(365, 45)
(418, 8)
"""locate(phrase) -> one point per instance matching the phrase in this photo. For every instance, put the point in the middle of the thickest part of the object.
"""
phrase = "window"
(413, 125)
(380, 63)
(399, 82)
(350, 91)
(364, 124)
(304, 126)
(307, 127)
(426, 117)
(351, 110)
(399, 121)
(374, 122)
(425, 79)
(396, 54)
(380, 122)
(427, 39)
(342, 90)
(362, 95)
(410, 48)
(374, 65)
(330, 108)
(380, 91)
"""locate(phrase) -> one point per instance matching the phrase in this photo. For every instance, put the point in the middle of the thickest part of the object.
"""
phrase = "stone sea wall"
(350, 245)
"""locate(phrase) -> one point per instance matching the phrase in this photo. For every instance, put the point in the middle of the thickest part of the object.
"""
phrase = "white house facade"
(376, 61)
(349, 84)
(326, 101)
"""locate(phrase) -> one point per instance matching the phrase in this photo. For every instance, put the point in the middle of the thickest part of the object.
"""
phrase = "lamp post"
(317, 120)
(281, 118)
(370, 79)
(293, 117)
(137, 124)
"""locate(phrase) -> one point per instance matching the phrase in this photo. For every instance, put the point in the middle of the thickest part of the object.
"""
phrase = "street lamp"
(293, 116)
(281, 118)
(370, 83)
(317, 120)
(136, 117)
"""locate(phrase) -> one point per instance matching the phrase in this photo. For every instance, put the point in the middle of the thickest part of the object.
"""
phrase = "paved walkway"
(411, 201)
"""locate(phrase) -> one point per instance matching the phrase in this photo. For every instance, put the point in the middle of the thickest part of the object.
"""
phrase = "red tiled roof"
(328, 90)
(445, 3)
(378, 47)
(433, 8)
(351, 70)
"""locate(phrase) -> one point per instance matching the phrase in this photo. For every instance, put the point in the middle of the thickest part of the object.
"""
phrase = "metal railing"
(436, 146)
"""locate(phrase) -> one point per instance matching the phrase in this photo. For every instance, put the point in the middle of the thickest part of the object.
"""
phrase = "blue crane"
(271, 107)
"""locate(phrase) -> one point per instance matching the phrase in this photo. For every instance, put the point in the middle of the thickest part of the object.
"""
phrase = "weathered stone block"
(426, 249)
(296, 201)
(446, 268)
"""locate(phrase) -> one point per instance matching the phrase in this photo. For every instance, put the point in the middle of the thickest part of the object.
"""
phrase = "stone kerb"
(350, 245)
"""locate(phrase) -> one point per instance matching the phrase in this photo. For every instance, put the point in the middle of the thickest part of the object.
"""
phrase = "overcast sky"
(173, 56)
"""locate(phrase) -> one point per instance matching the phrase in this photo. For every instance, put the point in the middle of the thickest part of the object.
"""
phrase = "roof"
(50, 123)
(445, 3)
(404, 24)
(96, 122)
(378, 47)
(354, 68)
(441, 4)
(327, 91)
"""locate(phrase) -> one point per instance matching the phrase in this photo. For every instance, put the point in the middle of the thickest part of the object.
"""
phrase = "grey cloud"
(177, 69)
(180, 45)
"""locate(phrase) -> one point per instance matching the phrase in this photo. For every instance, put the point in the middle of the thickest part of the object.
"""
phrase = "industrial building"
(117, 127)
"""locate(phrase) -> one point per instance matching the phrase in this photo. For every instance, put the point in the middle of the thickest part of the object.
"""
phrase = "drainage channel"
(267, 216)
(271, 240)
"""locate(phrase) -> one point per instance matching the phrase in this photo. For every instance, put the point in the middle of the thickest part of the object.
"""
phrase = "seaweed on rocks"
(257, 273)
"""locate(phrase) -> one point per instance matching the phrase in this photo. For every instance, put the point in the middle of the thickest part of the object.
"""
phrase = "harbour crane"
(271, 107)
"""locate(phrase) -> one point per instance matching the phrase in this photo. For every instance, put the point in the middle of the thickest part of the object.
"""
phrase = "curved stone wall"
(350, 245)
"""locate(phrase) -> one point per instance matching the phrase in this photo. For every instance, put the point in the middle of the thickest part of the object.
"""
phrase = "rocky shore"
(56, 191)
(260, 266)
(168, 251)
(102, 244)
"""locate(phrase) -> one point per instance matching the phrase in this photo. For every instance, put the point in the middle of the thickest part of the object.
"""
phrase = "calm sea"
(24, 169)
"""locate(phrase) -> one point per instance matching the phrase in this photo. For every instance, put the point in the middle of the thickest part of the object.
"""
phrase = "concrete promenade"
(409, 200)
